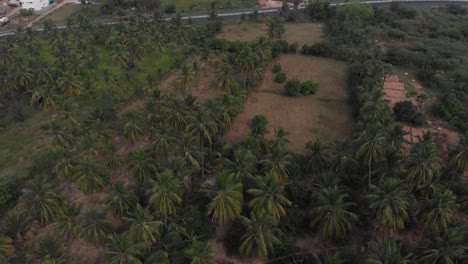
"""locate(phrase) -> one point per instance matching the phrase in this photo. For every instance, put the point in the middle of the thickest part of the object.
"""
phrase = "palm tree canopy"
(391, 203)
(226, 198)
(261, 236)
(143, 226)
(166, 193)
(331, 215)
(269, 198)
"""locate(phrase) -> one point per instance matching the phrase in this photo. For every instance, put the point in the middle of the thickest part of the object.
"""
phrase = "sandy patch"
(83, 252)
(269, 3)
(221, 256)
(326, 115)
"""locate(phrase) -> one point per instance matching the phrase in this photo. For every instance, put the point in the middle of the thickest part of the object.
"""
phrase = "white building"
(36, 5)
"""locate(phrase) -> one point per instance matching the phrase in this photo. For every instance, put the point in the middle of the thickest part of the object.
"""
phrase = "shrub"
(259, 125)
(305, 49)
(280, 77)
(419, 119)
(292, 88)
(276, 68)
(309, 87)
(293, 47)
(396, 34)
(169, 8)
(404, 111)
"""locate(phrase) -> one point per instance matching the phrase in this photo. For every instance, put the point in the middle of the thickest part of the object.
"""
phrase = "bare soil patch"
(396, 91)
(221, 255)
(302, 33)
(325, 115)
(204, 85)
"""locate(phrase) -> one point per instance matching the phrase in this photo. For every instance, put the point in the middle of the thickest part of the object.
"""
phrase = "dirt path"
(50, 11)
(269, 3)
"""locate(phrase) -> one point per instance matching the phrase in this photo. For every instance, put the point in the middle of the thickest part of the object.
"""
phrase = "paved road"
(275, 11)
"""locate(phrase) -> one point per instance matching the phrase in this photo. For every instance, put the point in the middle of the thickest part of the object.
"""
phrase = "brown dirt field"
(204, 86)
(73, 194)
(325, 115)
(83, 252)
(220, 254)
(302, 33)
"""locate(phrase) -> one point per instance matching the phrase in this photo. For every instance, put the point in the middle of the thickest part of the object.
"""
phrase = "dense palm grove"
(170, 181)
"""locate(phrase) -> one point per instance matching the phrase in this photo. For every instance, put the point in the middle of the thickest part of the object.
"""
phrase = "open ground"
(325, 115)
(302, 33)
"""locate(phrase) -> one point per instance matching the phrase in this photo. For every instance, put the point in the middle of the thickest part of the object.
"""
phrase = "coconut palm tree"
(387, 251)
(40, 198)
(331, 215)
(122, 250)
(372, 143)
(65, 163)
(163, 142)
(391, 202)
(275, 28)
(269, 198)
(189, 150)
(199, 252)
(114, 159)
(90, 176)
(316, 159)
(16, 224)
(67, 221)
(439, 209)
(94, 227)
(70, 85)
(45, 96)
(445, 248)
(459, 156)
(342, 159)
(242, 164)
(47, 250)
(142, 166)
(202, 130)
(277, 163)
(226, 198)
(261, 236)
(186, 77)
(422, 165)
(68, 113)
(158, 256)
(225, 78)
(6, 248)
(143, 226)
(121, 199)
(166, 193)
(133, 128)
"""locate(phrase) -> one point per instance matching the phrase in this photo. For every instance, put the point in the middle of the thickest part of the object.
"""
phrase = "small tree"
(309, 88)
(259, 125)
(280, 77)
(292, 88)
(276, 68)
(404, 111)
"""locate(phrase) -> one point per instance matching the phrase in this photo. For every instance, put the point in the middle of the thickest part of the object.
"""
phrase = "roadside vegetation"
(105, 165)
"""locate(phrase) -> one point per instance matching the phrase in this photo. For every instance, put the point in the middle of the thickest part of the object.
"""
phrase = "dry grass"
(302, 33)
(326, 115)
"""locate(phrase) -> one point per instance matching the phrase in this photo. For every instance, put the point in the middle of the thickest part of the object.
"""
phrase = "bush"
(404, 111)
(396, 34)
(280, 77)
(276, 68)
(419, 119)
(169, 8)
(292, 88)
(293, 47)
(259, 125)
(309, 88)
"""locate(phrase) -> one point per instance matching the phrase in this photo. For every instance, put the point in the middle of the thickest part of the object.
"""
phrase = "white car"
(4, 20)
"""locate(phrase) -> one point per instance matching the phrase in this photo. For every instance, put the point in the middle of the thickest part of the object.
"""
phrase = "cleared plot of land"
(302, 33)
(325, 115)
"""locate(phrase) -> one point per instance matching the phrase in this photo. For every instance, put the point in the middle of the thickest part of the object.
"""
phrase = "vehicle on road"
(4, 20)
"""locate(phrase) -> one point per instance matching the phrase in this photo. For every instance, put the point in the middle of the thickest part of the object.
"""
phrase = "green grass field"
(201, 5)
(21, 143)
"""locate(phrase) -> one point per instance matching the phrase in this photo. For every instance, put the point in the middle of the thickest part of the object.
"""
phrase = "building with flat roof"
(36, 5)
